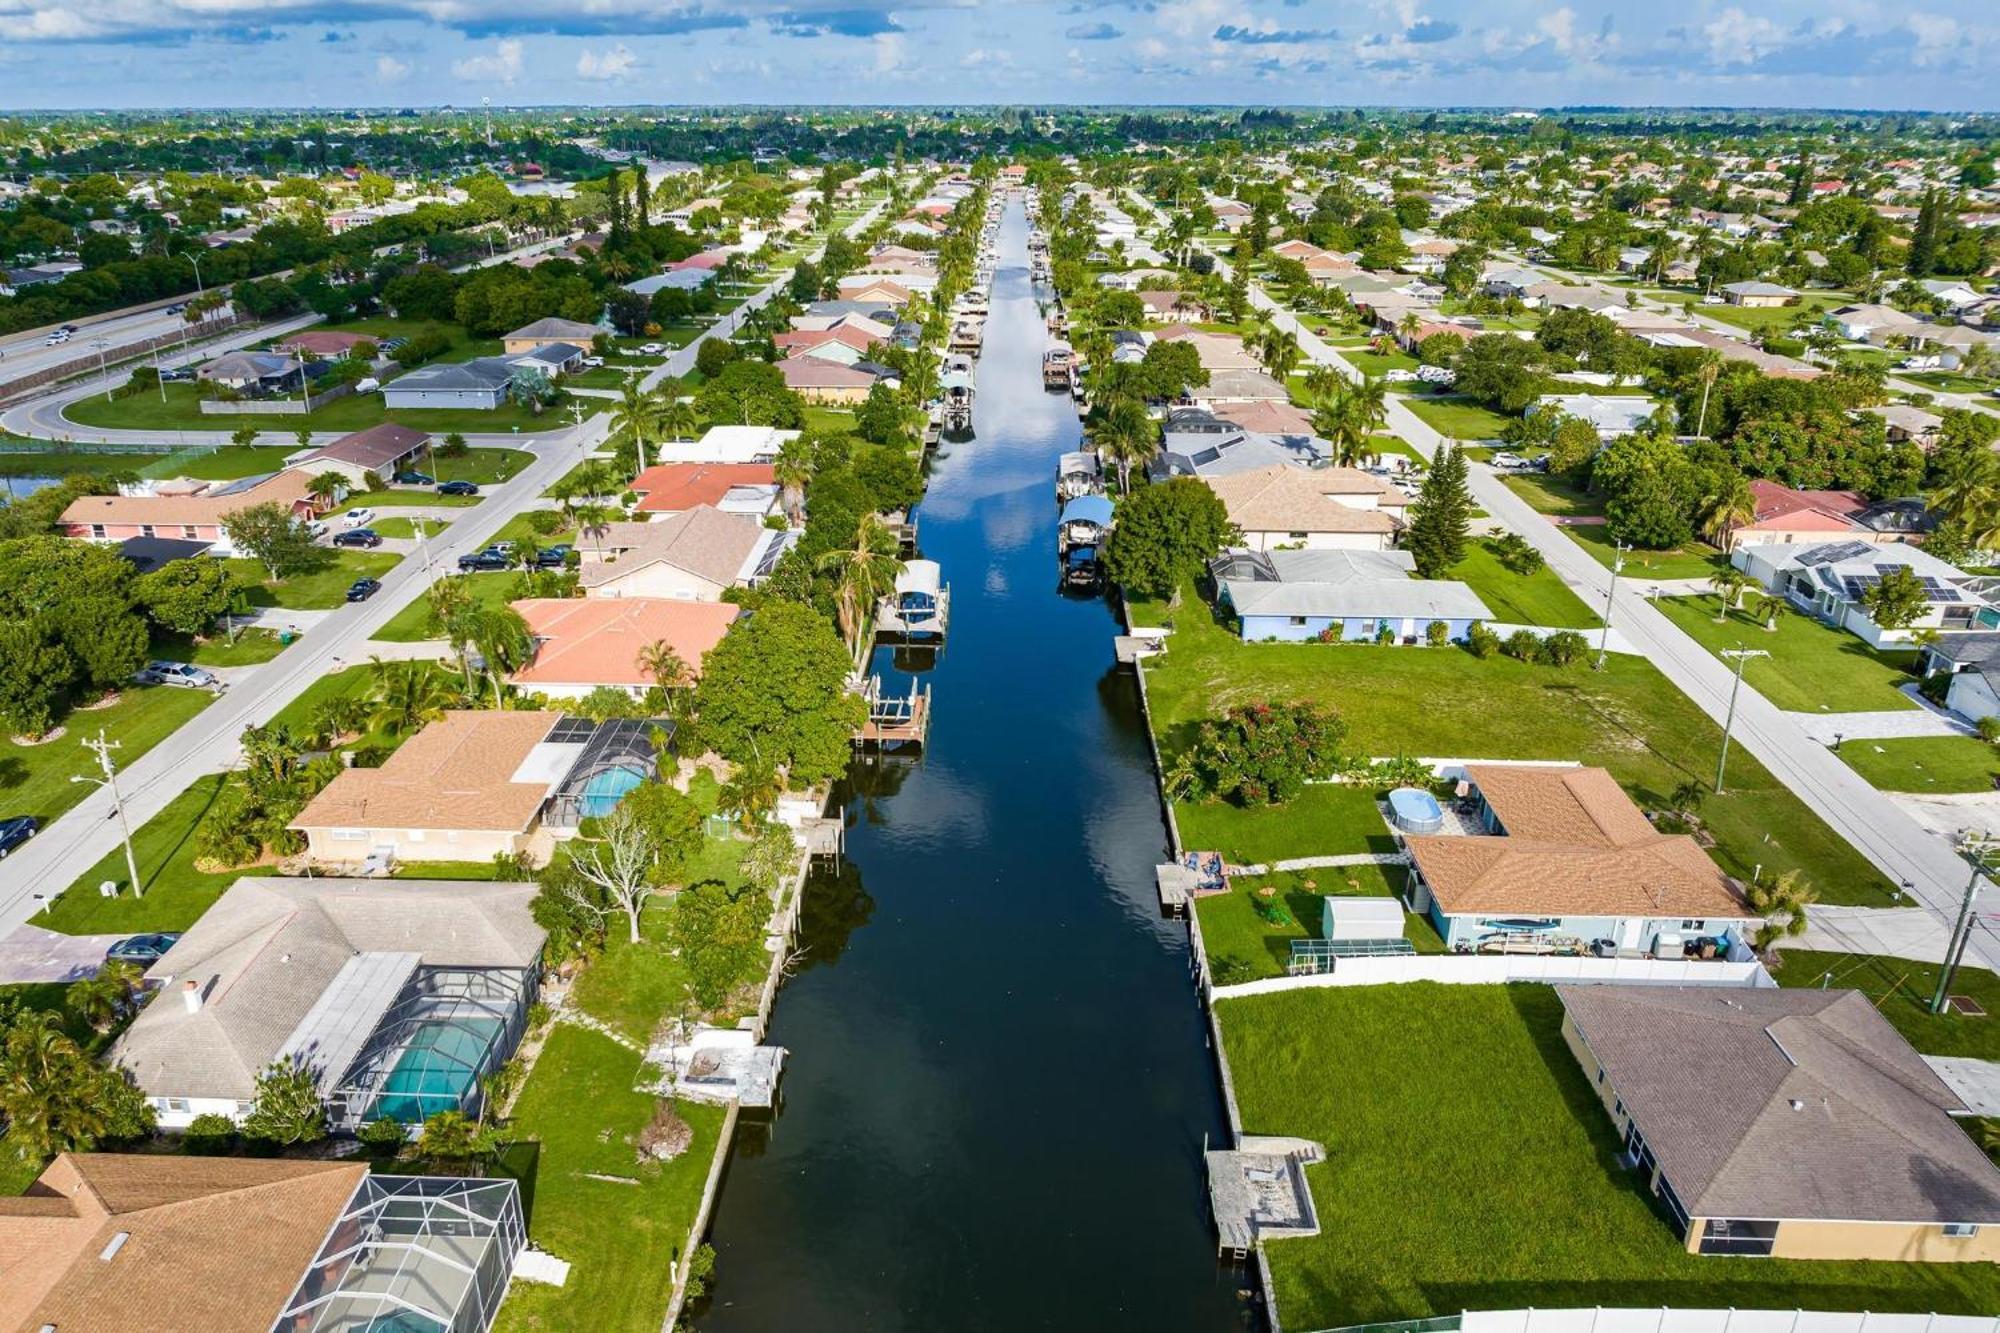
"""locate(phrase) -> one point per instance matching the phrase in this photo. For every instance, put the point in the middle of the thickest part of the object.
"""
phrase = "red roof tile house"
(733, 488)
(186, 510)
(324, 343)
(1787, 515)
(587, 643)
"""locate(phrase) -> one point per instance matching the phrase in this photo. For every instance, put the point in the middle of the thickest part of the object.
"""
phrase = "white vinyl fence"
(1492, 969)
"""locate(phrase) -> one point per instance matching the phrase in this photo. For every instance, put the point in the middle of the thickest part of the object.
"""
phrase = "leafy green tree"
(1896, 600)
(1166, 534)
(775, 690)
(674, 827)
(209, 1135)
(1651, 491)
(186, 596)
(286, 1106)
(268, 534)
(34, 673)
(1264, 753)
(717, 930)
(1441, 518)
(54, 1097)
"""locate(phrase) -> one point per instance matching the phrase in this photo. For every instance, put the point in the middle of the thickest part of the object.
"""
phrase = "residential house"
(1871, 323)
(862, 289)
(257, 374)
(543, 331)
(1197, 443)
(1789, 1124)
(1610, 415)
(734, 488)
(693, 556)
(194, 511)
(727, 444)
(326, 344)
(1830, 579)
(676, 279)
(1560, 860)
(1311, 508)
(1564, 296)
(1216, 351)
(589, 643)
(550, 359)
(1907, 424)
(163, 1242)
(1785, 515)
(1240, 386)
(471, 786)
(826, 382)
(1171, 307)
(349, 979)
(1757, 294)
(1354, 594)
(840, 343)
(378, 453)
(476, 385)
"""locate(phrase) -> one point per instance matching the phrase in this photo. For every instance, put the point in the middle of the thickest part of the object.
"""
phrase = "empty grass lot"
(1459, 418)
(1539, 598)
(35, 779)
(1696, 560)
(1553, 495)
(1326, 819)
(1457, 1111)
(1813, 667)
(1248, 935)
(1444, 702)
(407, 527)
(181, 410)
(317, 590)
(1924, 763)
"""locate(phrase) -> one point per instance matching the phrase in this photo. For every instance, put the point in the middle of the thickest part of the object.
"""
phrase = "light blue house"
(1297, 596)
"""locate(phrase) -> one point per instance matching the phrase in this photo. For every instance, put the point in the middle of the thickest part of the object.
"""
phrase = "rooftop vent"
(115, 1244)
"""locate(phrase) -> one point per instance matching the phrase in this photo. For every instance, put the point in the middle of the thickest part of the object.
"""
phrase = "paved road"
(22, 356)
(1919, 858)
(209, 743)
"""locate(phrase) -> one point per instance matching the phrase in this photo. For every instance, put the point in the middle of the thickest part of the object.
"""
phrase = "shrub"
(1264, 753)
(544, 522)
(1563, 648)
(1385, 634)
(1516, 554)
(1524, 644)
(1332, 633)
(1480, 640)
(1437, 634)
(209, 1136)
(382, 1138)
(1989, 730)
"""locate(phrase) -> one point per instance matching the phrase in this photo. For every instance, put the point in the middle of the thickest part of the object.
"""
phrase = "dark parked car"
(15, 831)
(408, 477)
(457, 488)
(365, 537)
(484, 560)
(144, 950)
(552, 557)
(362, 589)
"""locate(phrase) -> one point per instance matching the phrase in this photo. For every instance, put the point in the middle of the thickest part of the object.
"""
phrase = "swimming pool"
(1416, 810)
(603, 791)
(436, 1070)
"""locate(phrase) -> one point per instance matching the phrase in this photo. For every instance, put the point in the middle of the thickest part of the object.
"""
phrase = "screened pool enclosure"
(615, 757)
(412, 1254)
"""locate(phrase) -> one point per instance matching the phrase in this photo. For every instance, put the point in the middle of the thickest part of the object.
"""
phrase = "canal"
(999, 1080)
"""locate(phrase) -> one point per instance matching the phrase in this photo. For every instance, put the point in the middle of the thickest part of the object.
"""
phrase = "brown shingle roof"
(1785, 1104)
(212, 1243)
(374, 448)
(1281, 498)
(286, 488)
(454, 774)
(703, 540)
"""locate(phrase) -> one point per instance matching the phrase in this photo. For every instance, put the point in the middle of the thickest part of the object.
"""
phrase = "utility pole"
(102, 748)
(1973, 846)
(1604, 639)
(1741, 655)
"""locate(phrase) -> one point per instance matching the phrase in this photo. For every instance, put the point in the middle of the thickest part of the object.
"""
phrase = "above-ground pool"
(1415, 810)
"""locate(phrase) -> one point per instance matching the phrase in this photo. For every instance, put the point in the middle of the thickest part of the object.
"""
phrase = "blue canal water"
(999, 1083)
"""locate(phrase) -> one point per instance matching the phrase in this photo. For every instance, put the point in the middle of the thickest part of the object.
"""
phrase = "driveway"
(31, 954)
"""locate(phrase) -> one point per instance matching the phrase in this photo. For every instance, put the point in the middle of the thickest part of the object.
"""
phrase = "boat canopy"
(1058, 351)
(921, 577)
(954, 380)
(1088, 509)
(1079, 465)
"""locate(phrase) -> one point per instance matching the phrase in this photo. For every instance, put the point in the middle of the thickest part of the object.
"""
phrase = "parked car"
(410, 477)
(317, 527)
(457, 488)
(363, 537)
(552, 557)
(177, 673)
(142, 950)
(1399, 376)
(593, 361)
(358, 518)
(362, 589)
(176, 308)
(484, 560)
(178, 375)
(15, 831)
(653, 349)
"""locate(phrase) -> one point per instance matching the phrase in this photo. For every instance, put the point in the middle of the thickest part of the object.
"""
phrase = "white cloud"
(889, 52)
(617, 63)
(1559, 27)
(1737, 38)
(503, 66)
(388, 69)
(1938, 37)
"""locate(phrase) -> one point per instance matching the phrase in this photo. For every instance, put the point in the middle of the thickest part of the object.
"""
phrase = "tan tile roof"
(703, 540)
(454, 774)
(1574, 845)
(286, 488)
(599, 640)
(211, 1243)
(1282, 498)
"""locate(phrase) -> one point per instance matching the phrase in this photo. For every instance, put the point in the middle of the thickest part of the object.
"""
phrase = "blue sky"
(1925, 54)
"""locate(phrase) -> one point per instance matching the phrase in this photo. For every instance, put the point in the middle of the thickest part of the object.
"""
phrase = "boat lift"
(920, 606)
(894, 720)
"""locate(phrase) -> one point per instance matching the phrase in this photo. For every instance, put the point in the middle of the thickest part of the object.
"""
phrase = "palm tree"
(1729, 585)
(1279, 350)
(667, 668)
(1371, 401)
(1969, 489)
(449, 601)
(637, 413)
(1731, 506)
(867, 569)
(98, 1000)
(1711, 366)
(792, 469)
(503, 640)
(1339, 421)
(324, 488)
(678, 419)
(1782, 903)
(1323, 380)
(405, 696)
(594, 521)
(1770, 608)
(1125, 435)
(1409, 324)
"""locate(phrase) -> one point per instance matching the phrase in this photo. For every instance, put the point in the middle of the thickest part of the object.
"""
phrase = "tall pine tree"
(1924, 238)
(1441, 517)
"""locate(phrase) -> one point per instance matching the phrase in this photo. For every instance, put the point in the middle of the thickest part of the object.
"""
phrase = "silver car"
(178, 673)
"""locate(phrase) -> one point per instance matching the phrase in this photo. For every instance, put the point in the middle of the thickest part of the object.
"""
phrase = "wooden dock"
(897, 720)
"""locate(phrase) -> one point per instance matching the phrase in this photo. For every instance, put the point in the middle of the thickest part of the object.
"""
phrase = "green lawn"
(251, 647)
(1902, 990)
(1539, 598)
(415, 623)
(405, 498)
(1945, 381)
(176, 893)
(1376, 364)
(1774, 319)
(483, 466)
(1924, 763)
(406, 527)
(319, 590)
(1553, 495)
(1460, 418)
(35, 779)
(1627, 718)
(182, 411)
(606, 376)
(1249, 935)
(1327, 819)
(1813, 667)
(1471, 1166)
(224, 464)
(1696, 560)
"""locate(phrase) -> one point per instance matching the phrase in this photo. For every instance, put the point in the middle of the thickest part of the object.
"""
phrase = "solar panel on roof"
(1834, 554)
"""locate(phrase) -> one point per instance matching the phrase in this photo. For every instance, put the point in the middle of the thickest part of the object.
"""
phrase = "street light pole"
(1741, 655)
(1604, 638)
(102, 748)
(101, 344)
(1973, 847)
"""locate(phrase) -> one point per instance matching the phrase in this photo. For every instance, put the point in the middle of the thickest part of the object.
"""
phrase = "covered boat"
(1058, 364)
(1086, 521)
(1078, 474)
(920, 605)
